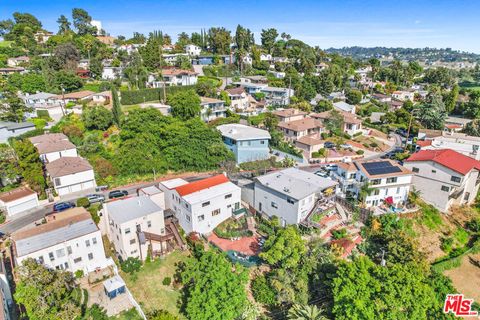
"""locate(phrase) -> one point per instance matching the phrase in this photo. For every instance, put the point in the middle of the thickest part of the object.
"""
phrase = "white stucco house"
(14, 129)
(201, 205)
(289, 194)
(112, 73)
(403, 95)
(52, 146)
(18, 200)
(68, 241)
(212, 109)
(193, 50)
(70, 174)
(445, 177)
(133, 224)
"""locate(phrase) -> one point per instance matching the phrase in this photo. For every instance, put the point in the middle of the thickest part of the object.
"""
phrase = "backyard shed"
(114, 286)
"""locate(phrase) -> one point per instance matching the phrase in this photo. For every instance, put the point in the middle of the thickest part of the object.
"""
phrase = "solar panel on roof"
(380, 167)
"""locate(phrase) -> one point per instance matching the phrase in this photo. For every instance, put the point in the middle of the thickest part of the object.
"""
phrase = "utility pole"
(63, 99)
(383, 263)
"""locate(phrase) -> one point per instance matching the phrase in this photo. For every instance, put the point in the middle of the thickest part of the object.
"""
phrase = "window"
(87, 243)
(127, 231)
(205, 204)
(215, 212)
(60, 253)
(69, 250)
(434, 171)
(467, 196)
(274, 205)
(187, 217)
(94, 240)
(228, 196)
(262, 141)
(291, 201)
(415, 169)
(445, 188)
(51, 256)
(133, 241)
(77, 260)
(398, 190)
(201, 217)
(57, 182)
(376, 192)
(376, 181)
(392, 180)
(90, 256)
(162, 231)
(456, 179)
(133, 252)
(40, 260)
(66, 265)
(149, 224)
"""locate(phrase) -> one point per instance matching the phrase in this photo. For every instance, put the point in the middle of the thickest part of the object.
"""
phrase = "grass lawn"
(470, 85)
(131, 314)
(147, 288)
(4, 43)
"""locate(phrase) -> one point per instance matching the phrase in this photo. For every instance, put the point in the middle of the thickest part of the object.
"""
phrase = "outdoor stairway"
(170, 224)
(251, 224)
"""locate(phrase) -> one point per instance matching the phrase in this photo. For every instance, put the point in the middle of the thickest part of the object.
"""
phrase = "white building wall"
(397, 190)
(72, 255)
(75, 182)
(26, 203)
(51, 156)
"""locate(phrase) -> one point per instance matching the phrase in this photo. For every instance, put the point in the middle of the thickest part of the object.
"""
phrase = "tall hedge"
(150, 94)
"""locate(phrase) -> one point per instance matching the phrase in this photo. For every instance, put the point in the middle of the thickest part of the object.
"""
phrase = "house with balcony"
(202, 205)
(70, 174)
(176, 77)
(239, 99)
(459, 142)
(296, 129)
(445, 177)
(52, 146)
(68, 241)
(136, 224)
(287, 115)
(247, 143)
(277, 96)
(351, 123)
(389, 182)
(212, 109)
(290, 194)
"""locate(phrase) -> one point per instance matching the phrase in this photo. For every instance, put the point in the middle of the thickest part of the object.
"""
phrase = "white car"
(322, 174)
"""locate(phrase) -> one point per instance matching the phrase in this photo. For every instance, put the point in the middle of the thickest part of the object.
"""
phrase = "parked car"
(329, 145)
(117, 194)
(94, 198)
(401, 132)
(322, 174)
(101, 188)
(346, 146)
(331, 167)
(61, 206)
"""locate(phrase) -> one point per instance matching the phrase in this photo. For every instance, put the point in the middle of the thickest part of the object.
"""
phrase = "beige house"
(293, 130)
(351, 123)
(288, 115)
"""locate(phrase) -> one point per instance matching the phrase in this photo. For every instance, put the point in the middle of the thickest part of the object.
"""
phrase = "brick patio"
(245, 245)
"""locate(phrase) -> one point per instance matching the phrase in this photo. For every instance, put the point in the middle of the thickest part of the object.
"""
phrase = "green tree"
(12, 108)
(285, 248)
(451, 99)
(334, 123)
(69, 81)
(268, 38)
(433, 113)
(306, 312)
(46, 294)
(97, 118)
(82, 22)
(8, 163)
(152, 53)
(64, 26)
(219, 39)
(30, 166)
(354, 96)
(185, 104)
(213, 288)
(183, 62)
(116, 108)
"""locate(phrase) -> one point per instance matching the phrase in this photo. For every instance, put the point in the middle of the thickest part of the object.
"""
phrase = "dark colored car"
(401, 132)
(94, 198)
(117, 194)
(329, 145)
(61, 206)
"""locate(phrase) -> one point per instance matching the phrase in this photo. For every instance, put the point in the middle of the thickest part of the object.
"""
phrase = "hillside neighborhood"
(209, 175)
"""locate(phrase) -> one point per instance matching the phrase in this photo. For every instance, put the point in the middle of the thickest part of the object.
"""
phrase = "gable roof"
(235, 91)
(75, 95)
(48, 137)
(301, 124)
(289, 113)
(200, 185)
(447, 158)
(15, 194)
(67, 165)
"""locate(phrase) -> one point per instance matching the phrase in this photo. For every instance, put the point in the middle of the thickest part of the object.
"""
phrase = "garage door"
(76, 187)
(88, 185)
(22, 207)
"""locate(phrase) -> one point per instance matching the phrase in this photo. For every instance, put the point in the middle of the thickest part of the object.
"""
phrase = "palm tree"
(414, 195)
(305, 312)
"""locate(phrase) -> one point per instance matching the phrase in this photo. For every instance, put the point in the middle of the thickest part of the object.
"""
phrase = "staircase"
(171, 225)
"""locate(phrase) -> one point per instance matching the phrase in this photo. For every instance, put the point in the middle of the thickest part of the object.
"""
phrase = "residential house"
(52, 146)
(456, 124)
(288, 115)
(337, 96)
(247, 143)
(43, 36)
(70, 174)
(202, 205)
(380, 97)
(212, 109)
(69, 241)
(343, 106)
(444, 177)
(39, 98)
(133, 224)
(112, 73)
(193, 50)
(171, 58)
(103, 98)
(389, 180)
(346, 175)
(83, 64)
(277, 96)
(154, 193)
(6, 300)
(351, 123)
(18, 200)
(210, 59)
(296, 129)
(290, 194)
(459, 142)
(403, 95)
(10, 70)
(177, 77)
(74, 97)
(265, 57)
(18, 61)
(320, 67)
(309, 145)
(394, 105)
(14, 129)
(239, 101)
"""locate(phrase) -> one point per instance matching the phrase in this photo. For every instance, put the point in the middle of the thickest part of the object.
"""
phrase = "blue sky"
(391, 23)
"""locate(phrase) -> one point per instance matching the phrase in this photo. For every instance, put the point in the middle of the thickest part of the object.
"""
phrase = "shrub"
(373, 144)
(340, 233)
(94, 213)
(262, 291)
(43, 114)
(360, 152)
(366, 145)
(79, 274)
(131, 265)
(166, 281)
(143, 95)
(83, 202)
(474, 225)
(446, 245)
(2, 217)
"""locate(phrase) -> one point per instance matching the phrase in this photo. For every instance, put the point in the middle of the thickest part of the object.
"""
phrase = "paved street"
(29, 217)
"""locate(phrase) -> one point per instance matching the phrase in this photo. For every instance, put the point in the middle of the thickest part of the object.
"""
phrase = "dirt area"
(378, 145)
(429, 242)
(466, 278)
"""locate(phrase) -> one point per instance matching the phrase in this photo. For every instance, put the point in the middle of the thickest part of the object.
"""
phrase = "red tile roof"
(447, 158)
(423, 143)
(199, 185)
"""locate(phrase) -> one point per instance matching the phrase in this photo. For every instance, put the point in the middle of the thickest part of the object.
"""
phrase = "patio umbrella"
(389, 200)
